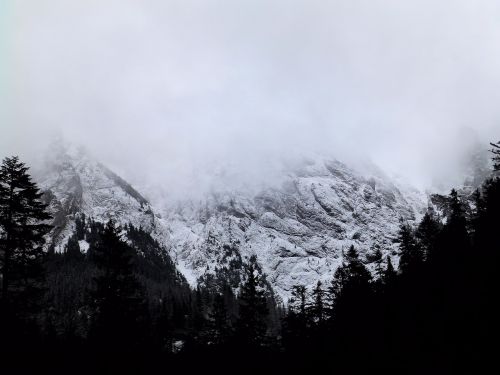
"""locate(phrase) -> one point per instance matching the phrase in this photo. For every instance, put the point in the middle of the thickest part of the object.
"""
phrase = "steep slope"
(76, 184)
(477, 168)
(297, 231)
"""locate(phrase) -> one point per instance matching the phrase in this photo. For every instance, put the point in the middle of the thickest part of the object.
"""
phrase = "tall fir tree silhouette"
(118, 297)
(427, 234)
(496, 155)
(411, 257)
(219, 326)
(23, 226)
(352, 294)
(251, 326)
(296, 323)
(318, 306)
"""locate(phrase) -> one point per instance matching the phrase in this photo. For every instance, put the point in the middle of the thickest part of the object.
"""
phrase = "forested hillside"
(114, 299)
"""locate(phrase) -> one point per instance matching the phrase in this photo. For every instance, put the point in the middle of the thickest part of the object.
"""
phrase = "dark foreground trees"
(22, 228)
(251, 326)
(432, 308)
(117, 299)
(437, 312)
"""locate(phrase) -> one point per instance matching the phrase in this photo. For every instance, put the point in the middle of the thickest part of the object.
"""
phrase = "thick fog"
(164, 90)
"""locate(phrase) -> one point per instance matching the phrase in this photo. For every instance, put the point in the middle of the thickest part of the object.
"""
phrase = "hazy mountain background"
(187, 95)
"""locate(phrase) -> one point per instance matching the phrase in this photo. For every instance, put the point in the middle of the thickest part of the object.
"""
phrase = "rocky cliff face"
(76, 184)
(298, 231)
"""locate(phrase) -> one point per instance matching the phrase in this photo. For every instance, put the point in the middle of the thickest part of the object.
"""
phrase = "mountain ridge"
(298, 230)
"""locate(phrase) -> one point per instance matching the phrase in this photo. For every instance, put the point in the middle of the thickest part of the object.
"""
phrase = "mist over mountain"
(188, 120)
(272, 186)
(172, 93)
(298, 228)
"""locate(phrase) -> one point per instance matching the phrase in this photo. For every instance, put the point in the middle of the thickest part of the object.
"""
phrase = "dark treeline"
(121, 303)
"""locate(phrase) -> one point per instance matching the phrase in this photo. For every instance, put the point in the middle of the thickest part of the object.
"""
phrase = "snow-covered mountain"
(74, 183)
(298, 230)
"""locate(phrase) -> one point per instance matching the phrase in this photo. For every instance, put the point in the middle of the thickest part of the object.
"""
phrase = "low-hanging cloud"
(162, 90)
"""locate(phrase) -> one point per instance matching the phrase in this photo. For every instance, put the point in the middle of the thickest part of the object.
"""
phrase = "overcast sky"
(160, 89)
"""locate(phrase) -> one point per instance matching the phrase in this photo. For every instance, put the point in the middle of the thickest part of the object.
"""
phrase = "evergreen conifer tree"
(351, 292)
(73, 248)
(411, 257)
(251, 325)
(298, 302)
(295, 327)
(456, 242)
(23, 226)
(219, 329)
(390, 273)
(377, 258)
(496, 155)
(318, 307)
(118, 297)
(80, 224)
(427, 234)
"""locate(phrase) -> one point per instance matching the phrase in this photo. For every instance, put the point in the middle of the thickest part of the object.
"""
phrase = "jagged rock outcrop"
(74, 183)
(297, 230)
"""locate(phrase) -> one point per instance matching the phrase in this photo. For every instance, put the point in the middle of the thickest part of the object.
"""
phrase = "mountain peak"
(297, 229)
(74, 183)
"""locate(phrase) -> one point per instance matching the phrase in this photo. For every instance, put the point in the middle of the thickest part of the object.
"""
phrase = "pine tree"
(351, 291)
(448, 282)
(411, 257)
(22, 231)
(377, 258)
(118, 297)
(318, 308)
(427, 234)
(198, 308)
(296, 325)
(251, 324)
(73, 248)
(457, 243)
(80, 227)
(488, 221)
(219, 329)
(486, 248)
(390, 274)
(298, 302)
(359, 276)
(496, 155)
(318, 313)
(351, 277)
